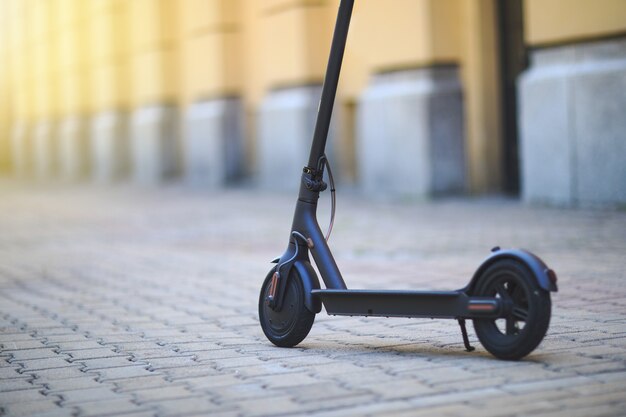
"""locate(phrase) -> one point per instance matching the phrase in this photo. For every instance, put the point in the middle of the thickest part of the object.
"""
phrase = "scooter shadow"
(381, 350)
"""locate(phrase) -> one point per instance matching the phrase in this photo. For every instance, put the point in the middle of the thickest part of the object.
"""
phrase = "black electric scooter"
(508, 298)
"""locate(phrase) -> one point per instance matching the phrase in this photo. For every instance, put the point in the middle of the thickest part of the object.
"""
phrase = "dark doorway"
(513, 60)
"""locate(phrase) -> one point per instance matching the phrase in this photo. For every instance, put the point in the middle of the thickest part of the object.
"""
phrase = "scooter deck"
(425, 304)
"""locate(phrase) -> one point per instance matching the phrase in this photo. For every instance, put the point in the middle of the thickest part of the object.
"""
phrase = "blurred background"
(436, 96)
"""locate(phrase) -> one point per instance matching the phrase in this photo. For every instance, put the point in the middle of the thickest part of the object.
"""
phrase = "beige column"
(572, 101)
(212, 68)
(111, 89)
(293, 40)
(482, 95)
(45, 88)
(74, 88)
(211, 50)
(155, 143)
(409, 118)
(550, 22)
(5, 89)
(21, 82)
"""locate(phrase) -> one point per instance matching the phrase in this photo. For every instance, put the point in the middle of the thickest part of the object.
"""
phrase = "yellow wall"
(481, 89)
(74, 57)
(110, 50)
(20, 68)
(404, 34)
(78, 57)
(5, 88)
(42, 37)
(293, 39)
(554, 21)
(154, 39)
(105, 54)
(211, 49)
(284, 43)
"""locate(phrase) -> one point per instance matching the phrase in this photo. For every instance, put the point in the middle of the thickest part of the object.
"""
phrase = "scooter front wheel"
(528, 306)
(290, 325)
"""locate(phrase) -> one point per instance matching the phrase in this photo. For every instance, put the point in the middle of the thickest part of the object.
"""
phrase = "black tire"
(521, 332)
(288, 327)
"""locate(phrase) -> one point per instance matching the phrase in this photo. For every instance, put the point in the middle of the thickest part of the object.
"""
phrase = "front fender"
(546, 278)
(310, 282)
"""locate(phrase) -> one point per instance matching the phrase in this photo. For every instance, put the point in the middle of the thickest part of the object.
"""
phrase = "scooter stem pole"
(331, 80)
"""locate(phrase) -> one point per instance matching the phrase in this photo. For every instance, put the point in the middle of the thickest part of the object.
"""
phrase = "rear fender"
(546, 278)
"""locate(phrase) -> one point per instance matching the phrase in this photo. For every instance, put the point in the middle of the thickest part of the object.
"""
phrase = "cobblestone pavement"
(120, 301)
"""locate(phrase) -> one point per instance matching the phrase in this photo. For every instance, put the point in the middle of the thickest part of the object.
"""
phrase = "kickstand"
(468, 347)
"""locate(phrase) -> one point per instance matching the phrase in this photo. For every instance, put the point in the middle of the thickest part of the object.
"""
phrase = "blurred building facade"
(436, 96)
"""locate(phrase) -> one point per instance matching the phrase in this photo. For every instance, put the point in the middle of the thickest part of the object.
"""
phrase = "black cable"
(333, 201)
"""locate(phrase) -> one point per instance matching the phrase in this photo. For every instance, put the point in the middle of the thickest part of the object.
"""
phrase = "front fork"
(306, 236)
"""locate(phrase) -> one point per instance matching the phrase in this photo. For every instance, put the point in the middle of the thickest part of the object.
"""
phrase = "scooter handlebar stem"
(331, 81)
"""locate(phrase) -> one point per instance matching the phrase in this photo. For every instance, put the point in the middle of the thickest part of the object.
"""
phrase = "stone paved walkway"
(143, 303)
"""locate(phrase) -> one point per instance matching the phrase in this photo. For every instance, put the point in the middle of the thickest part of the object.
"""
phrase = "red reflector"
(481, 307)
(552, 276)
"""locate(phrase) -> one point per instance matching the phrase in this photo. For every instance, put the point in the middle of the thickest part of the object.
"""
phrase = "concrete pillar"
(285, 129)
(110, 145)
(481, 80)
(155, 148)
(409, 115)
(212, 82)
(45, 133)
(6, 89)
(45, 149)
(110, 124)
(155, 141)
(572, 125)
(21, 134)
(410, 133)
(296, 39)
(21, 148)
(73, 147)
(74, 81)
(214, 142)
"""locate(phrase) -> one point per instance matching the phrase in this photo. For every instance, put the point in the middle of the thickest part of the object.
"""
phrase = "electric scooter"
(508, 297)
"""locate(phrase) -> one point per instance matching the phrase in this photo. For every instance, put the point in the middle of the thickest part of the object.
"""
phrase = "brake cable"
(333, 200)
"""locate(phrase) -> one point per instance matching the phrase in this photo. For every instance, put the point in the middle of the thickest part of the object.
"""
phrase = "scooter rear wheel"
(290, 325)
(518, 334)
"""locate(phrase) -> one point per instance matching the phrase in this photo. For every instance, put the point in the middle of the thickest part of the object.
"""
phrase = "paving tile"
(105, 363)
(44, 375)
(140, 382)
(198, 370)
(97, 393)
(32, 408)
(170, 362)
(26, 354)
(285, 380)
(15, 384)
(11, 372)
(147, 307)
(65, 384)
(183, 406)
(122, 372)
(269, 406)
(25, 395)
(22, 344)
(96, 353)
(58, 361)
(109, 407)
(167, 392)
(208, 382)
(12, 339)
(70, 346)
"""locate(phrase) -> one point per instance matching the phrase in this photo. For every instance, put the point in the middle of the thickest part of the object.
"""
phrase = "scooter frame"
(306, 236)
